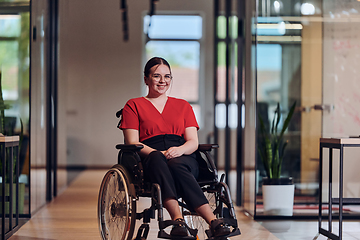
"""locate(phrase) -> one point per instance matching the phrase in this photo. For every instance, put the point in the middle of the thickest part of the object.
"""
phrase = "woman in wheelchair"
(167, 129)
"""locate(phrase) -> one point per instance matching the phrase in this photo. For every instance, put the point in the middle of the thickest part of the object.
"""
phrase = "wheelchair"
(124, 184)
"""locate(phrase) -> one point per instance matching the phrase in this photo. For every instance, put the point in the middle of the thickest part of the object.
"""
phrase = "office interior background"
(67, 66)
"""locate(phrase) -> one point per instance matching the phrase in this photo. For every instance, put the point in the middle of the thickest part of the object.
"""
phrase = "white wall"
(101, 72)
(341, 86)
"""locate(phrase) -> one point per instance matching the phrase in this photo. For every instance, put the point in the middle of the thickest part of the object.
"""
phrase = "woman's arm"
(132, 137)
(191, 137)
(190, 146)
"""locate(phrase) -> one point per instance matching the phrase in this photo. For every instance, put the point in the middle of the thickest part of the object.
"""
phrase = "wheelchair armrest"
(207, 159)
(138, 147)
(207, 147)
(130, 147)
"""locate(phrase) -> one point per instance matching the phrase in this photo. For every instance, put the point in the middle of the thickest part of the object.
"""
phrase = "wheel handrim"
(115, 205)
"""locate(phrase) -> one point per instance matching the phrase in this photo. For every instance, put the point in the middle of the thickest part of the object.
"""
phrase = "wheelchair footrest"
(235, 232)
(230, 222)
(165, 224)
(143, 232)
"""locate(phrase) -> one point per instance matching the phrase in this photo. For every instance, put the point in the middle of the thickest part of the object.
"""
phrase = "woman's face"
(159, 80)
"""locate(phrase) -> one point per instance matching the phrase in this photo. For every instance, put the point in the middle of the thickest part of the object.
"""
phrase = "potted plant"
(278, 192)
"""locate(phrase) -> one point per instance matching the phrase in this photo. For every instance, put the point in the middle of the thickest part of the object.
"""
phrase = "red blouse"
(140, 114)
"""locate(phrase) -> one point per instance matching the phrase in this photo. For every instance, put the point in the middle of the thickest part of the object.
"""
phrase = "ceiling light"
(307, 9)
(295, 26)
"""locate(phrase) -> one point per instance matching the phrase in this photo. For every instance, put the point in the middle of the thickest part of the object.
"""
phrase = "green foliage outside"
(14, 74)
(221, 34)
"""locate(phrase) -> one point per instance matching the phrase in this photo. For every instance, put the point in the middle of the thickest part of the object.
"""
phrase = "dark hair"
(153, 62)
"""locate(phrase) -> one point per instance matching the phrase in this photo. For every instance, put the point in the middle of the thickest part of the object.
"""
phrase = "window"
(177, 39)
(10, 27)
(14, 64)
(15, 86)
(220, 108)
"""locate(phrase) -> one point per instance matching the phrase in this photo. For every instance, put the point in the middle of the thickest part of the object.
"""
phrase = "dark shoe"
(179, 229)
(219, 228)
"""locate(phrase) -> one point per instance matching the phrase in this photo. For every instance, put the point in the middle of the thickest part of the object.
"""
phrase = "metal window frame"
(52, 98)
(14, 7)
(229, 62)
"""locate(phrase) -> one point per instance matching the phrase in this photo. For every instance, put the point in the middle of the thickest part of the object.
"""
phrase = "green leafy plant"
(272, 147)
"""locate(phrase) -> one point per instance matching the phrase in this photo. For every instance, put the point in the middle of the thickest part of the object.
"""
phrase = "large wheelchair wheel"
(117, 205)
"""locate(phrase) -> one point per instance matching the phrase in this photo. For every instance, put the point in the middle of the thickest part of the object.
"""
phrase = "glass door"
(289, 63)
(15, 88)
(341, 98)
(308, 53)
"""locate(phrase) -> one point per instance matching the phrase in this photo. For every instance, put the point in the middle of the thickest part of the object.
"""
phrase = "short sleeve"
(130, 116)
(190, 119)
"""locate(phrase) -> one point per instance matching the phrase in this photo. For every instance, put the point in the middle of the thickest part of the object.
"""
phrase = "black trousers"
(177, 176)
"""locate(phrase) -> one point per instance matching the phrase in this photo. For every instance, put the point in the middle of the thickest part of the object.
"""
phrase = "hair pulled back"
(153, 62)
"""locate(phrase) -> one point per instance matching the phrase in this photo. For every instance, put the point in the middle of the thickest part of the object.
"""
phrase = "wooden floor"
(73, 215)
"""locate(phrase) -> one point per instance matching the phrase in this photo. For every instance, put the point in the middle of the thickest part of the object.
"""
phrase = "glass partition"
(307, 53)
(341, 84)
(288, 70)
(14, 77)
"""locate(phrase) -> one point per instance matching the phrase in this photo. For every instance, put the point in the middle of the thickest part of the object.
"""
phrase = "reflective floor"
(301, 230)
(73, 215)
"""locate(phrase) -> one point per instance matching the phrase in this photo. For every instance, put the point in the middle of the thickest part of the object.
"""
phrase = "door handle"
(321, 107)
(324, 107)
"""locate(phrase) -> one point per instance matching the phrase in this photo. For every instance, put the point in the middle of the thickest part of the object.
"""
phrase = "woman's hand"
(173, 152)
(190, 145)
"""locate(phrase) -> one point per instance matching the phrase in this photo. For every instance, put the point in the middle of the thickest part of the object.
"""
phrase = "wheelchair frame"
(124, 184)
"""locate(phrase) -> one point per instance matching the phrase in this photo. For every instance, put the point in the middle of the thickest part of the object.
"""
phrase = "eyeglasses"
(156, 77)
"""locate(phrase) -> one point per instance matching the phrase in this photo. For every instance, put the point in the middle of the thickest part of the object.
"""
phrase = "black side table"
(335, 143)
(9, 160)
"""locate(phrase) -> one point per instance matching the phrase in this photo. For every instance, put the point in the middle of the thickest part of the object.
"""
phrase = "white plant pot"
(278, 199)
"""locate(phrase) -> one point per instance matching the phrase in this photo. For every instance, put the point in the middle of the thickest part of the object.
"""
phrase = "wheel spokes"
(196, 222)
(115, 207)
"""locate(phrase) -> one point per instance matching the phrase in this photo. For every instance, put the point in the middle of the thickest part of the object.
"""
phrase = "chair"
(124, 184)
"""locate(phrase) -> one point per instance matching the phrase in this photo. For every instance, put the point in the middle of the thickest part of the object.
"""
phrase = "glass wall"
(15, 87)
(305, 53)
(341, 114)
(288, 71)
